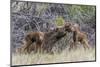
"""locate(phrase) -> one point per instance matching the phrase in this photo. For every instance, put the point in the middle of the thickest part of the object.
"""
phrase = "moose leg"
(37, 47)
(75, 40)
(27, 46)
(71, 45)
(85, 44)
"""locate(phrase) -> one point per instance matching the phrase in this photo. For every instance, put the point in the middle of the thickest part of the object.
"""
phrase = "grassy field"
(65, 56)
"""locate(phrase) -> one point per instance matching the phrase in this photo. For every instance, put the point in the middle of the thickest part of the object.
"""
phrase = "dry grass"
(65, 56)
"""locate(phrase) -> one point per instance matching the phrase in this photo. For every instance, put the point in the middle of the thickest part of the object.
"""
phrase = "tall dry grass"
(65, 56)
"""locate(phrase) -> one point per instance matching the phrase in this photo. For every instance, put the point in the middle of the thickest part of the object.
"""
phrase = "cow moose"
(42, 41)
(78, 35)
(33, 41)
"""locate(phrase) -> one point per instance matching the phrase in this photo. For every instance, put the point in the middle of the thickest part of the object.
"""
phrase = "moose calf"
(78, 36)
